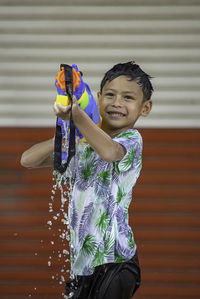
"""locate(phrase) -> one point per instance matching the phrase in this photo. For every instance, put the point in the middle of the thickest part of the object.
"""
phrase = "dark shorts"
(114, 280)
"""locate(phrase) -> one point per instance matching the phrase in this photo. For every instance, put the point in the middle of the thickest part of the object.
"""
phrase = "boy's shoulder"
(131, 140)
(128, 135)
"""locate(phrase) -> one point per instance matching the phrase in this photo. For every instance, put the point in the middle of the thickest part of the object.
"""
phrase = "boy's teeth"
(115, 113)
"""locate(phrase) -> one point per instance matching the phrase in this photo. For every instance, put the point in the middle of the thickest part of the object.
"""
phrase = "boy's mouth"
(116, 114)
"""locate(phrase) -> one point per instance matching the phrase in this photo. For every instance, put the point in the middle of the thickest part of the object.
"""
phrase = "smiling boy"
(104, 170)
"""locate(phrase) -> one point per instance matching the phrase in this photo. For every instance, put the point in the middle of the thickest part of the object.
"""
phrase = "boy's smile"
(120, 105)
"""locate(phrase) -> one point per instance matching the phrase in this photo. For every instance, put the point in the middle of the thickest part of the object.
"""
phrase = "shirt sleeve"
(131, 140)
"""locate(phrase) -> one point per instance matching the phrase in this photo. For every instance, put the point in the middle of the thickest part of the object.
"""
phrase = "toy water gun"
(69, 82)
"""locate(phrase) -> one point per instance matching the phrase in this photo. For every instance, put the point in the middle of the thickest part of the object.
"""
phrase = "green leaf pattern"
(101, 195)
(120, 195)
(89, 245)
(102, 222)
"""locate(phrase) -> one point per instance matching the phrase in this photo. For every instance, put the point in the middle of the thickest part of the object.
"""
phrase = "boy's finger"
(55, 108)
(74, 99)
(68, 108)
(62, 108)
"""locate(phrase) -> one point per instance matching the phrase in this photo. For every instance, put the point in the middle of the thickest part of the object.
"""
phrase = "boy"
(104, 171)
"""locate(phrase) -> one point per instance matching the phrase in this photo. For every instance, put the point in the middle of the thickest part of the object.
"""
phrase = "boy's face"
(120, 105)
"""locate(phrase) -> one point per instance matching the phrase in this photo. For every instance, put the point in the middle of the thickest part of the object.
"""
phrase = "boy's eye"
(109, 94)
(128, 98)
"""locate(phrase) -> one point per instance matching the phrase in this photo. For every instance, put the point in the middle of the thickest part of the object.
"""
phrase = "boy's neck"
(113, 132)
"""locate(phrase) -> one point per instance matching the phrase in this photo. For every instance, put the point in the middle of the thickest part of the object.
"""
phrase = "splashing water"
(63, 185)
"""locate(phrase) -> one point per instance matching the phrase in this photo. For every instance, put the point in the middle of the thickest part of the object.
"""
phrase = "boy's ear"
(98, 97)
(146, 108)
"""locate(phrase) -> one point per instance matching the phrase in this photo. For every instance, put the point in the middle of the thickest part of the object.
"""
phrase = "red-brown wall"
(165, 215)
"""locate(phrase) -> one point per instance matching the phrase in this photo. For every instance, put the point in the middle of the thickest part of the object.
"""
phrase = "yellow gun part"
(63, 100)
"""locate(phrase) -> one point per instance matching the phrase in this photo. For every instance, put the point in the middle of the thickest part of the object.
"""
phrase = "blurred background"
(163, 36)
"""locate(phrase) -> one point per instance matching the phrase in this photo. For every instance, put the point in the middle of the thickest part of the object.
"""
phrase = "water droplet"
(62, 236)
(67, 260)
(61, 216)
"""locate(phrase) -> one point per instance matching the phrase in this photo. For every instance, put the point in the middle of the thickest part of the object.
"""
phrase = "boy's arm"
(100, 141)
(39, 155)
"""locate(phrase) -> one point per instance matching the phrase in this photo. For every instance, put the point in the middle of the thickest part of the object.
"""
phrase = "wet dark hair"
(134, 72)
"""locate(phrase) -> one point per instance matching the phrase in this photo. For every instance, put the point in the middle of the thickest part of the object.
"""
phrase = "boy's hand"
(75, 107)
(62, 111)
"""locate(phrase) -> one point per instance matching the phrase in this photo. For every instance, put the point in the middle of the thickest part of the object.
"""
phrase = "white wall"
(36, 36)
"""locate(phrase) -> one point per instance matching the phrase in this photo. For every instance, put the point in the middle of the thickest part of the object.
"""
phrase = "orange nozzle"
(76, 79)
(61, 79)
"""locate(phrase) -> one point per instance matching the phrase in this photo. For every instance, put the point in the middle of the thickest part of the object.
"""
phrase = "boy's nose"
(117, 101)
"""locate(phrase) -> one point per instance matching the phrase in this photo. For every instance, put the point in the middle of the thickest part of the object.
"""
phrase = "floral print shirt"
(100, 196)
